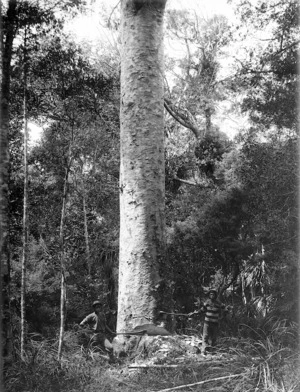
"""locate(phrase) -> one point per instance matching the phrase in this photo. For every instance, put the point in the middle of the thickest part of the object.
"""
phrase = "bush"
(40, 370)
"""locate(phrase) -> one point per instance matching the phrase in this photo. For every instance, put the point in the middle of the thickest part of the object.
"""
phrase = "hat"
(95, 303)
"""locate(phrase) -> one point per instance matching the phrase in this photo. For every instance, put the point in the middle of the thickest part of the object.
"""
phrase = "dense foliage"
(231, 205)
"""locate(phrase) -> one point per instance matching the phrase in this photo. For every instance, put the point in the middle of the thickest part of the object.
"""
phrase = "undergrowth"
(268, 363)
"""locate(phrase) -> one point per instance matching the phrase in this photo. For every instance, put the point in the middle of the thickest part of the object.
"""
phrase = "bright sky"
(88, 27)
(35, 132)
(203, 7)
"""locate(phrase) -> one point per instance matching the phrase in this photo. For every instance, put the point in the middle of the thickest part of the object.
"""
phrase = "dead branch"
(113, 10)
(176, 366)
(136, 366)
(200, 184)
(199, 383)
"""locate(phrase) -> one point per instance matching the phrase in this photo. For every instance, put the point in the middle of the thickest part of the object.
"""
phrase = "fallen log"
(172, 366)
(199, 383)
(153, 366)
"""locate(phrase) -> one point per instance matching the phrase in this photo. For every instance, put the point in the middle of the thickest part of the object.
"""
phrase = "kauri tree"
(142, 221)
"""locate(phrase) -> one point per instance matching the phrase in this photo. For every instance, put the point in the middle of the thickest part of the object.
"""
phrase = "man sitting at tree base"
(98, 328)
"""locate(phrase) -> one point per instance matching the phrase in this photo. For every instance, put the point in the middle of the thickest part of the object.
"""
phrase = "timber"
(200, 382)
(176, 366)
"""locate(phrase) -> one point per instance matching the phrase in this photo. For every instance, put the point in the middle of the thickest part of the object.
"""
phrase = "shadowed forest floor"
(236, 365)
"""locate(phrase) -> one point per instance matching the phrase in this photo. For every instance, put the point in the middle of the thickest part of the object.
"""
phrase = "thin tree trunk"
(207, 121)
(244, 297)
(25, 207)
(86, 235)
(1, 291)
(1, 225)
(142, 221)
(63, 286)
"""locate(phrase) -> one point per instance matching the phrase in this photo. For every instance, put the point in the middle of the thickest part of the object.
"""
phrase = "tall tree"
(8, 32)
(196, 89)
(63, 284)
(268, 69)
(25, 203)
(142, 221)
(1, 224)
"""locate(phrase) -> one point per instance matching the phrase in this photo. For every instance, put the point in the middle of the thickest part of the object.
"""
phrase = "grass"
(268, 363)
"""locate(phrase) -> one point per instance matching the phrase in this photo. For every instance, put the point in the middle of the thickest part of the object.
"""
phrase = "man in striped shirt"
(212, 309)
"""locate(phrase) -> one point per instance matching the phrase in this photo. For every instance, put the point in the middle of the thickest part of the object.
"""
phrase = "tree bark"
(25, 206)
(207, 121)
(86, 235)
(1, 221)
(7, 36)
(63, 285)
(142, 192)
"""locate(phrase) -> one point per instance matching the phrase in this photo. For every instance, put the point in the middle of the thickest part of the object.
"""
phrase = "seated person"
(98, 328)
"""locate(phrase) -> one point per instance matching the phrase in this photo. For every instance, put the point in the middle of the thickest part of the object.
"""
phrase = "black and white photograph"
(149, 196)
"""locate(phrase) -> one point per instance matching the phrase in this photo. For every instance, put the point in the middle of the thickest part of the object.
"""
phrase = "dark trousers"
(209, 336)
(97, 340)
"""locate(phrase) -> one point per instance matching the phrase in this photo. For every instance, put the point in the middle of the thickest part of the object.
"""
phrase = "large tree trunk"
(7, 38)
(142, 181)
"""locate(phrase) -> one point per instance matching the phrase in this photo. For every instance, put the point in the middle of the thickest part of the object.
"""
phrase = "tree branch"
(183, 119)
(113, 10)
(200, 382)
(284, 49)
(200, 184)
